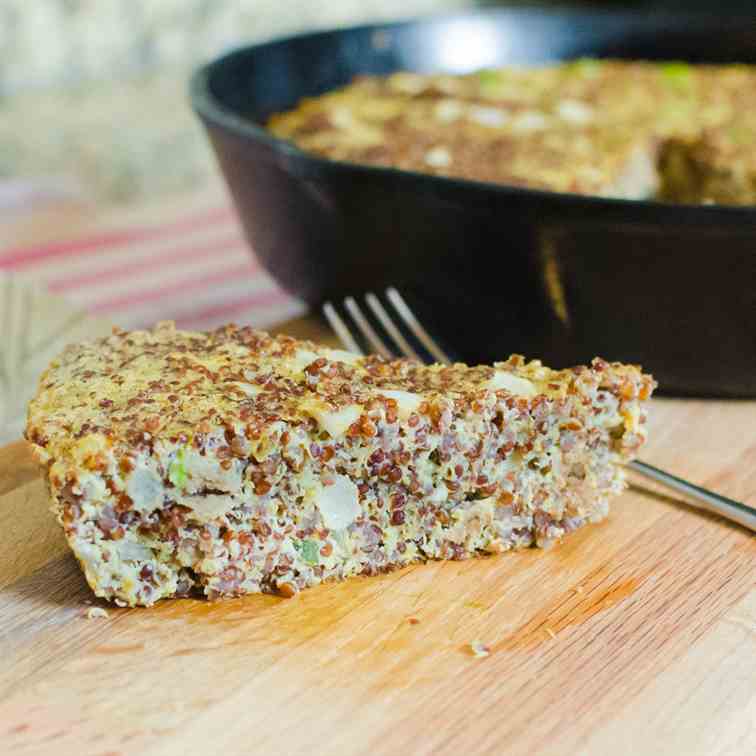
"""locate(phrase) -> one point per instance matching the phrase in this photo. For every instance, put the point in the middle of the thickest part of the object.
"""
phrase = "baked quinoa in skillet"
(634, 130)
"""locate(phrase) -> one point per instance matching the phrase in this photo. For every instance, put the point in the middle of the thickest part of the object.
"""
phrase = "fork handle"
(708, 500)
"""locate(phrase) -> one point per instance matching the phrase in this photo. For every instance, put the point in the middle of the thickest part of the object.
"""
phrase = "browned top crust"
(133, 388)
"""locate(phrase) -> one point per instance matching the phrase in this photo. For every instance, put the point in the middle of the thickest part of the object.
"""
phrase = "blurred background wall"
(93, 92)
(62, 42)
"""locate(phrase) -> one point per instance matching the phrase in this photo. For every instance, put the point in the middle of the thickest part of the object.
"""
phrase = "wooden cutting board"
(634, 636)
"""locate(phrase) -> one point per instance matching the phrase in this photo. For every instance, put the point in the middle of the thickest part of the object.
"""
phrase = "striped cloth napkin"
(193, 267)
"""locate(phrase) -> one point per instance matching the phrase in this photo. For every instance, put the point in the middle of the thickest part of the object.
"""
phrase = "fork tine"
(367, 330)
(380, 312)
(341, 329)
(406, 314)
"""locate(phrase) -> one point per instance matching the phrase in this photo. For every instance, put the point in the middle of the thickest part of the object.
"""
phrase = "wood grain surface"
(636, 636)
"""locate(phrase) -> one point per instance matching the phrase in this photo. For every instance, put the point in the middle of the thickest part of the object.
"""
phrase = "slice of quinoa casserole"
(234, 462)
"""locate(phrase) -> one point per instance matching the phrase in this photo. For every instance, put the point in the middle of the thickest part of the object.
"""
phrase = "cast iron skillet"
(495, 269)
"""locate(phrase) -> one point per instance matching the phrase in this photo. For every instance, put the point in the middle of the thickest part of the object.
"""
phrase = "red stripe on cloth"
(20, 257)
(227, 309)
(163, 259)
(181, 286)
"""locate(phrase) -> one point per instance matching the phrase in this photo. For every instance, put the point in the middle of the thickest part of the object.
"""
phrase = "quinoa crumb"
(479, 650)
(96, 612)
(287, 590)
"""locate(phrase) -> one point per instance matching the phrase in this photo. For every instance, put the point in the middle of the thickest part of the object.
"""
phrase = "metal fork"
(401, 333)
